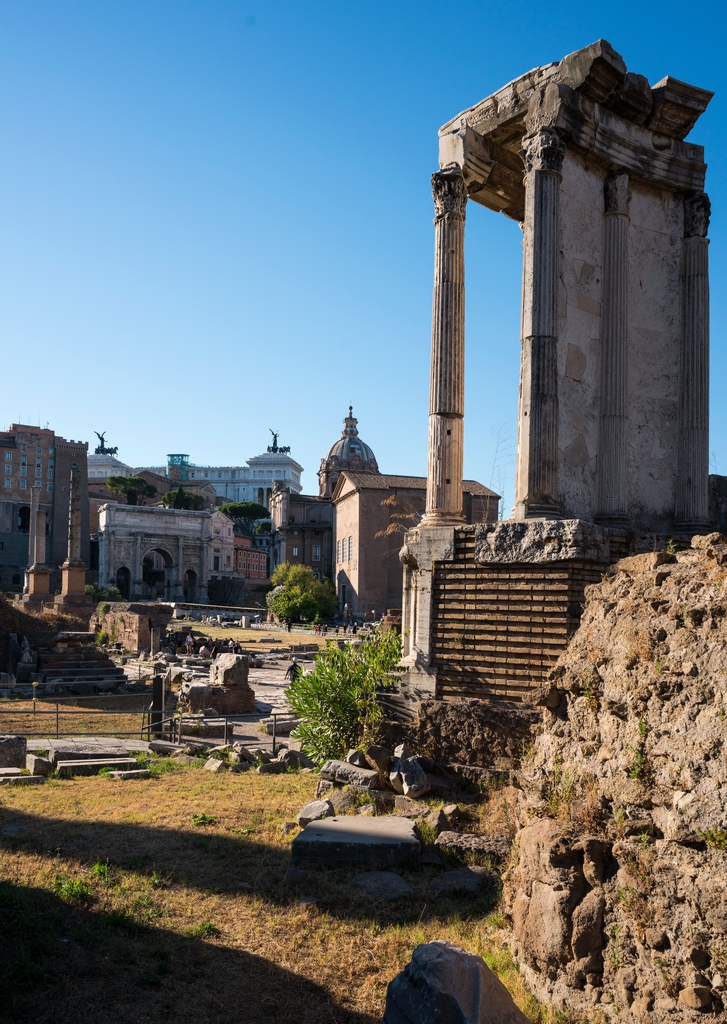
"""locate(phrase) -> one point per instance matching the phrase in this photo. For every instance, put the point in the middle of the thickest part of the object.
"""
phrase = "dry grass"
(20, 717)
(160, 929)
(253, 637)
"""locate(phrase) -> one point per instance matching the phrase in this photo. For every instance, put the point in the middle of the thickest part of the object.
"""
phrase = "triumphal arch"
(612, 445)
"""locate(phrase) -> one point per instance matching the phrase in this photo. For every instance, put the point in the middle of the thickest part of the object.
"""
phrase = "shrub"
(338, 701)
(105, 594)
(298, 594)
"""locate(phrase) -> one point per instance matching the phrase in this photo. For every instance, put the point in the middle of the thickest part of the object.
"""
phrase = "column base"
(73, 576)
(38, 585)
(434, 519)
(616, 520)
(695, 526)
(533, 510)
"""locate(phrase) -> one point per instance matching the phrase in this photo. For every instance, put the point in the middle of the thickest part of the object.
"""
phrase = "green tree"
(133, 488)
(338, 701)
(298, 594)
(249, 510)
(180, 498)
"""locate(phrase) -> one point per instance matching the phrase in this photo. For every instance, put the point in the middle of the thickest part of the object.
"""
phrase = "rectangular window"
(50, 451)
(50, 474)
(338, 551)
(24, 447)
(50, 485)
(37, 483)
(216, 562)
(23, 484)
(23, 459)
(23, 470)
(316, 552)
(295, 552)
(350, 548)
(50, 461)
(8, 483)
(39, 472)
(38, 462)
(8, 456)
(8, 470)
(38, 449)
(8, 509)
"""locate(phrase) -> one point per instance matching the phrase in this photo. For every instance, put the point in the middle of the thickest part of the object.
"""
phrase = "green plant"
(105, 594)
(640, 768)
(102, 870)
(644, 841)
(248, 510)
(133, 488)
(714, 837)
(102, 637)
(590, 697)
(559, 788)
(204, 931)
(298, 594)
(203, 819)
(338, 701)
(246, 830)
(671, 547)
(659, 667)
(686, 616)
(615, 953)
(183, 499)
(72, 890)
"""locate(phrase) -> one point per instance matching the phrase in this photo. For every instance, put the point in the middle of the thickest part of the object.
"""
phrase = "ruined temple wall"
(653, 325)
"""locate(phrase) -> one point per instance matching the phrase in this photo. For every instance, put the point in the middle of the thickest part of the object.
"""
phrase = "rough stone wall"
(130, 624)
(619, 871)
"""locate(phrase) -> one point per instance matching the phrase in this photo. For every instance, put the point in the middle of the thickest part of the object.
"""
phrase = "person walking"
(293, 670)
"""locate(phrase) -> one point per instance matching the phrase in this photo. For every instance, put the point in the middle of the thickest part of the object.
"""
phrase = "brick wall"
(498, 628)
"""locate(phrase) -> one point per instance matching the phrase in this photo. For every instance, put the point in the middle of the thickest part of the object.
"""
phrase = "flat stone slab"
(8, 772)
(67, 769)
(136, 773)
(467, 880)
(469, 842)
(342, 771)
(381, 885)
(355, 839)
(89, 748)
(22, 780)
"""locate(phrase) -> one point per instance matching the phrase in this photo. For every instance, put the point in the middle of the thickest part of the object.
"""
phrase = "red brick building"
(250, 561)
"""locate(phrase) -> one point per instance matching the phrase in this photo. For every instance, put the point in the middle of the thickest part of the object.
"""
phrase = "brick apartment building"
(38, 459)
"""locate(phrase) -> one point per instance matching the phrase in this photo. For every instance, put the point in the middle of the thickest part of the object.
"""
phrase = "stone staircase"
(81, 670)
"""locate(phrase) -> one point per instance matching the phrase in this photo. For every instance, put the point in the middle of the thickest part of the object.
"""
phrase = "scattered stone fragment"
(296, 759)
(323, 788)
(396, 781)
(67, 769)
(341, 771)
(7, 773)
(22, 780)
(13, 751)
(405, 803)
(443, 983)
(358, 758)
(467, 842)
(381, 885)
(452, 813)
(136, 773)
(294, 876)
(38, 765)
(273, 768)
(342, 800)
(696, 997)
(379, 758)
(368, 810)
(288, 826)
(413, 777)
(357, 839)
(437, 820)
(214, 764)
(314, 811)
(462, 880)
(655, 938)
(402, 752)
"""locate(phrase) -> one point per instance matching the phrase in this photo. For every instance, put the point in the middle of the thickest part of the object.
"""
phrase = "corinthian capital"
(616, 195)
(450, 192)
(697, 209)
(543, 151)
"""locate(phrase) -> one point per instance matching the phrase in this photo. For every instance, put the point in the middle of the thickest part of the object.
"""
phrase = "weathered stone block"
(315, 810)
(229, 670)
(444, 983)
(136, 773)
(341, 771)
(13, 750)
(355, 839)
(38, 765)
(541, 540)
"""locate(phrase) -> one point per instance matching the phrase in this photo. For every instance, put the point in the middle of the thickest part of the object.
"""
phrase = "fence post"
(57, 716)
(157, 705)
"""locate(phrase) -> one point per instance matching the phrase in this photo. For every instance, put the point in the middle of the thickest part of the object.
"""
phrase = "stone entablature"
(153, 552)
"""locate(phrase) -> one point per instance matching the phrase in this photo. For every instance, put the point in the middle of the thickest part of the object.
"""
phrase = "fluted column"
(692, 498)
(537, 457)
(612, 490)
(446, 385)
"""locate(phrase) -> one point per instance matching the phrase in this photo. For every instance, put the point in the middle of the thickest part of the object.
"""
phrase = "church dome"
(348, 452)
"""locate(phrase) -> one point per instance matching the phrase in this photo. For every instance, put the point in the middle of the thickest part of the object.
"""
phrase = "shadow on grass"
(221, 863)
(62, 964)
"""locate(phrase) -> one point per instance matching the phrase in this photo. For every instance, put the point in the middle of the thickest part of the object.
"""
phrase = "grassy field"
(116, 906)
(253, 637)
(21, 717)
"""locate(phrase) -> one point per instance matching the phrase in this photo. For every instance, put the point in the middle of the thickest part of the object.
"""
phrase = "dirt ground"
(115, 905)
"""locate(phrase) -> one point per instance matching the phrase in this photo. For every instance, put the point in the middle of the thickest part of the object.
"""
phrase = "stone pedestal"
(38, 585)
(73, 573)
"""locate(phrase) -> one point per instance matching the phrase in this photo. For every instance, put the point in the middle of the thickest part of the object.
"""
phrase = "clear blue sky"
(215, 217)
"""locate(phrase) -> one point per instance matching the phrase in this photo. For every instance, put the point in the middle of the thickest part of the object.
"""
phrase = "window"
(50, 451)
(8, 470)
(37, 483)
(295, 552)
(8, 483)
(50, 461)
(8, 456)
(38, 462)
(38, 449)
(216, 562)
(295, 533)
(23, 459)
(50, 474)
(38, 472)
(316, 552)
(23, 470)
(24, 447)
(50, 486)
(8, 509)
(23, 484)
(350, 548)
(338, 551)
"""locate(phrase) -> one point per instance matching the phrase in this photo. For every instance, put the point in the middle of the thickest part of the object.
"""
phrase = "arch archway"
(189, 585)
(157, 574)
(123, 582)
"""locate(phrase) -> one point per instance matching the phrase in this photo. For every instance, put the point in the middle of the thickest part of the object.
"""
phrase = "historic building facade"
(38, 461)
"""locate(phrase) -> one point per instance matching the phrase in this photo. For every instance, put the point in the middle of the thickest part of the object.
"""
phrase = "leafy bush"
(249, 510)
(299, 594)
(183, 499)
(338, 701)
(105, 594)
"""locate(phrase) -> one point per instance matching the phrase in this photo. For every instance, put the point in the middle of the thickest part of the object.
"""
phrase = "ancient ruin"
(612, 447)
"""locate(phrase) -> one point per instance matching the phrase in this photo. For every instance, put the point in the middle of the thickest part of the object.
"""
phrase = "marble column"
(446, 384)
(612, 490)
(73, 570)
(692, 497)
(38, 572)
(537, 459)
